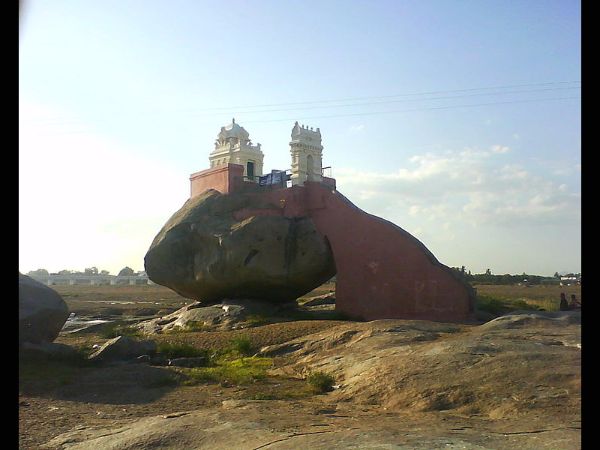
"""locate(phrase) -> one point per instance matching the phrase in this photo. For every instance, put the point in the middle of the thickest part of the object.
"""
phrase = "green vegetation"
(232, 371)
(503, 305)
(233, 365)
(240, 346)
(115, 329)
(320, 382)
(178, 350)
(508, 279)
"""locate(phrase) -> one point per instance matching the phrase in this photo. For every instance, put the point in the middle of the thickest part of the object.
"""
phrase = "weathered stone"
(42, 312)
(197, 316)
(122, 348)
(400, 384)
(203, 253)
(326, 299)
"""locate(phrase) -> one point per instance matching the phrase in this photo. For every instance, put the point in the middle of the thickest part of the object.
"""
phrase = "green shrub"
(320, 382)
(241, 345)
(499, 305)
(490, 304)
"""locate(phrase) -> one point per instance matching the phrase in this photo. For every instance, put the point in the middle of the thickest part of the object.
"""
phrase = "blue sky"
(460, 121)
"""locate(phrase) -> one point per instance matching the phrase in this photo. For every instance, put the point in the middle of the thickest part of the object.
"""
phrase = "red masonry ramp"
(383, 272)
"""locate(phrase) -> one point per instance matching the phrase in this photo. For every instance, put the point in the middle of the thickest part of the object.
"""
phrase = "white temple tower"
(233, 146)
(307, 155)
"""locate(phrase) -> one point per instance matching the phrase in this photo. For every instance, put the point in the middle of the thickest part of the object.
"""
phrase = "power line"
(332, 116)
(393, 101)
(236, 110)
(390, 96)
(411, 110)
(472, 94)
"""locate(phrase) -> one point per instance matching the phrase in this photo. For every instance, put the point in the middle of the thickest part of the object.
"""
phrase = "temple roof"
(233, 130)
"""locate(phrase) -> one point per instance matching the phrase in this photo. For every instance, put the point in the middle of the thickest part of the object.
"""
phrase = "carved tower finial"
(307, 154)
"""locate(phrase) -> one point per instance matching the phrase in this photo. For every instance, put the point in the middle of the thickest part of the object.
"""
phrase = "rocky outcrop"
(204, 253)
(402, 365)
(42, 312)
(512, 384)
(123, 348)
(226, 315)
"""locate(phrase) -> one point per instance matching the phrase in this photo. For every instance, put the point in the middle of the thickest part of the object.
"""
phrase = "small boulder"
(42, 312)
(199, 316)
(123, 348)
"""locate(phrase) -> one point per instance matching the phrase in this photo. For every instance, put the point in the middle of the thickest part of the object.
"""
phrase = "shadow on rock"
(66, 373)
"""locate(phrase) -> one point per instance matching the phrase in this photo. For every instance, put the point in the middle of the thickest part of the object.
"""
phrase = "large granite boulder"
(205, 254)
(42, 312)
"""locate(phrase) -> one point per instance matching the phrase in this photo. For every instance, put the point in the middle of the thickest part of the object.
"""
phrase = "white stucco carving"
(307, 155)
(233, 145)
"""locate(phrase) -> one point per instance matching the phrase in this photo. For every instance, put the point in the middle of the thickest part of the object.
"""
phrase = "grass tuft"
(115, 329)
(320, 382)
(241, 345)
(234, 371)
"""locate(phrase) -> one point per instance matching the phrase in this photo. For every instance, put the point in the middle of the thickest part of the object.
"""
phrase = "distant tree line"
(489, 278)
(125, 271)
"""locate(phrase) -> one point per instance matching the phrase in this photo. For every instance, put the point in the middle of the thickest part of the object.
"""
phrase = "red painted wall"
(383, 272)
(223, 178)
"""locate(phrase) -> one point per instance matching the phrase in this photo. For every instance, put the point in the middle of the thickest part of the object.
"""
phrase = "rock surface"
(203, 253)
(325, 299)
(42, 312)
(513, 383)
(123, 348)
(256, 425)
(200, 317)
(511, 366)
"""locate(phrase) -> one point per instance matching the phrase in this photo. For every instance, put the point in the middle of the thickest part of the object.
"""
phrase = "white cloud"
(473, 186)
(500, 149)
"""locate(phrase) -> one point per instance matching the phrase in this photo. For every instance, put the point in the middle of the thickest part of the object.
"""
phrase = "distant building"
(569, 280)
(92, 280)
